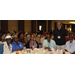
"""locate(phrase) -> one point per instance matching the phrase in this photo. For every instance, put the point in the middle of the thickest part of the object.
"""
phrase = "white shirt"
(70, 46)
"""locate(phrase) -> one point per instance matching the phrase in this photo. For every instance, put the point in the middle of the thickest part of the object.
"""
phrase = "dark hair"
(19, 34)
(47, 35)
(0, 39)
(31, 35)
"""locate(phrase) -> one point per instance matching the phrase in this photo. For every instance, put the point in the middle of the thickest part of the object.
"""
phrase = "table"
(40, 51)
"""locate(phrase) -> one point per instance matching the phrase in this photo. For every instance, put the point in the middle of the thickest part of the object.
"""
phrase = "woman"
(21, 38)
(32, 42)
(17, 46)
(6, 47)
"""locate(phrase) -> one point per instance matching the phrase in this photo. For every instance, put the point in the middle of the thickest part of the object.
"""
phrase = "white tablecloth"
(40, 51)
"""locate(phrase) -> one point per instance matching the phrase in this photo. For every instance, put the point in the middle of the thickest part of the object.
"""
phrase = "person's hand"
(74, 52)
(55, 48)
(66, 50)
(49, 48)
(21, 49)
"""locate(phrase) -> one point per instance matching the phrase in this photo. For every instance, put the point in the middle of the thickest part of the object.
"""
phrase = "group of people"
(18, 40)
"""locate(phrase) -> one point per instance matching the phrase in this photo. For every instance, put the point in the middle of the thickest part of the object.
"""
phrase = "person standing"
(59, 36)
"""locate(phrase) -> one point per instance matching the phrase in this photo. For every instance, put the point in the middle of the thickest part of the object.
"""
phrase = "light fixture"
(72, 22)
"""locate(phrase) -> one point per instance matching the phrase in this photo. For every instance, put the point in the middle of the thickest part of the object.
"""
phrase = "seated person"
(21, 38)
(70, 45)
(16, 45)
(49, 43)
(0, 40)
(6, 47)
(32, 42)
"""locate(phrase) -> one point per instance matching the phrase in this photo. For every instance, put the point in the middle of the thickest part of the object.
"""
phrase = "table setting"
(40, 51)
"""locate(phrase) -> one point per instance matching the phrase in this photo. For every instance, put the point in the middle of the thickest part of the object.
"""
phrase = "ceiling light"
(72, 22)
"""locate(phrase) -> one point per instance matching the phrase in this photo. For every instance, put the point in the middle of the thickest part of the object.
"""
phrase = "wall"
(12, 25)
(27, 25)
(0, 24)
(46, 25)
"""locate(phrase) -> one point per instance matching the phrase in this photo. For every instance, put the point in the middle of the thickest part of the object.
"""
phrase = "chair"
(1, 48)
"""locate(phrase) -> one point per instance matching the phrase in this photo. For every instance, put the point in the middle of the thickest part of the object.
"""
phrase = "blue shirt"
(70, 46)
(1, 48)
(52, 43)
(15, 46)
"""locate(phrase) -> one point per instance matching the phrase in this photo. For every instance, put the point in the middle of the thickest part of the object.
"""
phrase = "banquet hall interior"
(38, 28)
(34, 26)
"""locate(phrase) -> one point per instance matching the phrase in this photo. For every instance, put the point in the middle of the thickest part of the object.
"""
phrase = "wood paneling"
(21, 25)
(4, 25)
(49, 25)
(33, 26)
(27, 25)
(12, 25)
(0, 24)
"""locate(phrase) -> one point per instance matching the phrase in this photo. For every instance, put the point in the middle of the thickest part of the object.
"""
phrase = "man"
(48, 43)
(7, 47)
(70, 45)
(59, 36)
(16, 45)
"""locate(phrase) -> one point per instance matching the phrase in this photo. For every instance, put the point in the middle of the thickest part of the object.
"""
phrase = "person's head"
(32, 37)
(70, 37)
(48, 37)
(8, 39)
(0, 39)
(21, 35)
(16, 38)
(59, 25)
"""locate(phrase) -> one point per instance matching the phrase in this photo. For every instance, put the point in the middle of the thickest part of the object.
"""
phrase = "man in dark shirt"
(59, 36)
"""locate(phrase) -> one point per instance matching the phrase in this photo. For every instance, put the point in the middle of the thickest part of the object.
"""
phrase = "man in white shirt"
(70, 45)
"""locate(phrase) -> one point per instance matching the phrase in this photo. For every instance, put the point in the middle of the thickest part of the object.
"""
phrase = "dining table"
(40, 51)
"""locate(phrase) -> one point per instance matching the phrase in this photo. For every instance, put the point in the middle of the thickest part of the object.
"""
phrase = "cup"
(24, 48)
(32, 48)
(17, 52)
(63, 52)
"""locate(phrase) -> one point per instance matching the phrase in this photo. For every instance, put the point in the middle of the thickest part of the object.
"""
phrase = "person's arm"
(27, 44)
(73, 52)
(66, 50)
(17, 50)
(66, 47)
(45, 46)
(48, 48)
(14, 49)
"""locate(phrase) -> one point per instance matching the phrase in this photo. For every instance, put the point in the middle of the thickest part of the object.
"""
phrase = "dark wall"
(4, 25)
(33, 25)
(49, 25)
(21, 25)
(42, 23)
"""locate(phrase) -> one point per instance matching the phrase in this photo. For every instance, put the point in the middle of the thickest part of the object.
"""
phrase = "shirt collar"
(60, 29)
(15, 42)
(72, 41)
(50, 40)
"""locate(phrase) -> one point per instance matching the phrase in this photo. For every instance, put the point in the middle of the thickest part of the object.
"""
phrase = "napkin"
(52, 49)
